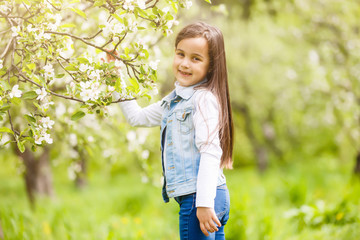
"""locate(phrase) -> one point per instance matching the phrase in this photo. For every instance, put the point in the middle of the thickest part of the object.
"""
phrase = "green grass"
(308, 200)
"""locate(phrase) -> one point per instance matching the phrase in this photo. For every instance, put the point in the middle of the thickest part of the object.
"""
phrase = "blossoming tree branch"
(53, 50)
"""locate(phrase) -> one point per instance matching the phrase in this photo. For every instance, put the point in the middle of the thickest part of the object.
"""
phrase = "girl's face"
(191, 61)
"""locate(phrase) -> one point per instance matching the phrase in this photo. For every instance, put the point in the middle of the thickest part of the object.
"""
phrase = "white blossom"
(4, 8)
(73, 139)
(83, 67)
(118, 28)
(58, 19)
(49, 70)
(169, 32)
(41, 36)
(90, 139)
(144, 179)
(1, 64)
(86, 94)
(48, 138)
(38, 139)
(30, 28)
(132, 25)
(46, 105)
(15, 92)
(42, 135)
(111, 88)
(141, 4)
(154, 64)
(119, 64)
(15, 31)
(314, 57)
(172, 23)
(131, 136)
(145, 154)
(41, 94)
(95, 75)
(154, 90)
(128, 5)
(47, 122)
(60, 109)
(188, 4)
(90, 90)
(166, 9)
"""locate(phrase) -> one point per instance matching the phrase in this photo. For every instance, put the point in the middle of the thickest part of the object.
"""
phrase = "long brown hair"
(217, 82)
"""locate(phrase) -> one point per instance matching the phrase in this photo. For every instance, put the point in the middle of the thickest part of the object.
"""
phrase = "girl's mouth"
(186, 74)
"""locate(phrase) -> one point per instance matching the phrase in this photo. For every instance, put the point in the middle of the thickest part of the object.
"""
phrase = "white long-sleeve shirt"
(206, 120)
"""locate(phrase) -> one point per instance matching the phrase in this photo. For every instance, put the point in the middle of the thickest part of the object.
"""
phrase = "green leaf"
(16, 101)
(126, 51)
(4, 108)
(21, 146)
(79, 12)
(7, 130)
(209, 1)
(99, 3)
(134, 83)
(33, 148)
(5, 85)
(26, 2)
(77, 115)
(37, 105)
(29, 95)
(30, 118)
(60, 75)
(71, 68)
(83, 60)
(118, 18)
(31, 66)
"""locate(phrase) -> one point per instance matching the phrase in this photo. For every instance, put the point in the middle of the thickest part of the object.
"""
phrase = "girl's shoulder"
(204, 97)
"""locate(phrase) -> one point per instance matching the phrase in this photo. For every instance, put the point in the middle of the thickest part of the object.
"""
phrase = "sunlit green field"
(319, 201)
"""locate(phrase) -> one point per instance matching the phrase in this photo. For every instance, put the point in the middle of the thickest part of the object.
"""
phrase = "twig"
(62, 96)
(88, 38)
(6, 48)
(88, 43)
(67, 71)
(11, 124)
(57, 9)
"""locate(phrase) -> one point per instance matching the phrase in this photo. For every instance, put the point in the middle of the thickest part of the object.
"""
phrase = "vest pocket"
(184, 120)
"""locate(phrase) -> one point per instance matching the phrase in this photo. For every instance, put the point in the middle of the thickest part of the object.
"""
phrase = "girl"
(196, 132)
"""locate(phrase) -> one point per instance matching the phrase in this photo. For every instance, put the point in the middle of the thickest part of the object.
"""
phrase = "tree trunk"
(81, 180)
(1, 232)
(357, 164)
(247, 7)
(261, 153)
(37, 176)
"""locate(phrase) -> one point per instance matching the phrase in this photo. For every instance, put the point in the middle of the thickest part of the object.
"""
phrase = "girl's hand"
(110, 58)
(207, 219)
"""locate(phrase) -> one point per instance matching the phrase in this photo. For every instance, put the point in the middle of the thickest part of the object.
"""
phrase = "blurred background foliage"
(294, 73)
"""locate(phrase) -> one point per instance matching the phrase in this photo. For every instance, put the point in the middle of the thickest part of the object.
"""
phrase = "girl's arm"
(206, 121)
(136, 116)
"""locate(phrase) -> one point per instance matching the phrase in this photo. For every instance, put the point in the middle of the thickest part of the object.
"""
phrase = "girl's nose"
(184, 63)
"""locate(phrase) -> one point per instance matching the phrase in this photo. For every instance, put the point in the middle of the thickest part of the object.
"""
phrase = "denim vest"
(182, 155)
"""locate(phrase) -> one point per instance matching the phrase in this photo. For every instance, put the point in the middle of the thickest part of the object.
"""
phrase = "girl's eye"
(196, 59)
(180, 54)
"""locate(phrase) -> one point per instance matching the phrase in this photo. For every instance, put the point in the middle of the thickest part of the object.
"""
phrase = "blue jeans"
(189, 225)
